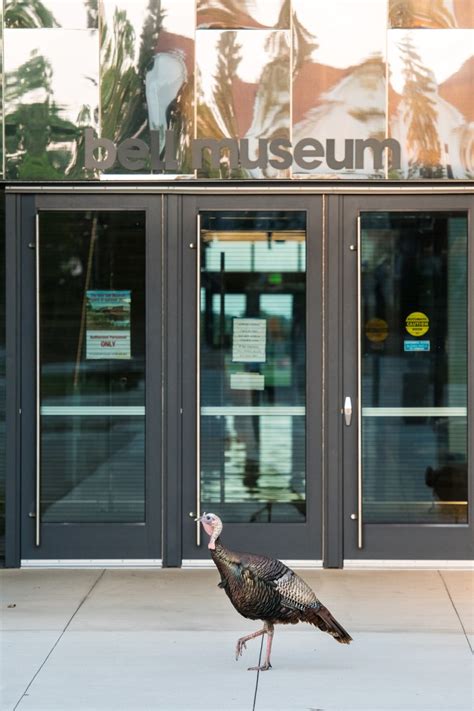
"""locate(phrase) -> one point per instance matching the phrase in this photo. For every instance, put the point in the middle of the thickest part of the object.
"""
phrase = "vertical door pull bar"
(348, 411)
(38, 389)
(360, 542)
(198, 380)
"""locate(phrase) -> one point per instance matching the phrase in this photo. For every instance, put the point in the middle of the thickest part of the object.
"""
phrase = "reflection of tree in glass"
(92, 10)
(39, 142)
(304, 44)
(235, 14)
(419, 94)
(229, 58)
(420, 13)
(28, 14)
(121, 93)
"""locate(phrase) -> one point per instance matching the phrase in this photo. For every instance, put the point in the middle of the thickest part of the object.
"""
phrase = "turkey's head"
(213, 527)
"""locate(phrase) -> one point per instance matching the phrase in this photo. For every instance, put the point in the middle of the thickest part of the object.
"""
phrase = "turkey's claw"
(264, 667)
(241, 645)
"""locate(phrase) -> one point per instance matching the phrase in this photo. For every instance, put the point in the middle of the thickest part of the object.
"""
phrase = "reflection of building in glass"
(351, 105)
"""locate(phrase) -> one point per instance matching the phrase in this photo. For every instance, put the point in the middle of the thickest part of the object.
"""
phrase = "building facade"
(238, 269)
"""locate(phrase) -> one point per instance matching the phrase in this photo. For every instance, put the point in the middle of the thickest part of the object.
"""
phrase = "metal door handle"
(348, 411)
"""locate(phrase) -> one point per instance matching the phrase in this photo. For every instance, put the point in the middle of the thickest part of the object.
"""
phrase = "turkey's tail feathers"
(322, 618)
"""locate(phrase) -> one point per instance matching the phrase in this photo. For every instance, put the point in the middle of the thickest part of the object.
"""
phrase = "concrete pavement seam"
(456, 611)
(258, 675)
(100, 576)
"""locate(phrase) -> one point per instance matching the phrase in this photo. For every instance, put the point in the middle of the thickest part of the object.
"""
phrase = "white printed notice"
(249, 340)
(108, 325)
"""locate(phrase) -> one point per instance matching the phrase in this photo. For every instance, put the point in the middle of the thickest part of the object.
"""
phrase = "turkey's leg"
(241, 643)
(268, 628)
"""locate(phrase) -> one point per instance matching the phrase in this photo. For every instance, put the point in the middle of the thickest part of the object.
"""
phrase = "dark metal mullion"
(333, 386)
(12, 265)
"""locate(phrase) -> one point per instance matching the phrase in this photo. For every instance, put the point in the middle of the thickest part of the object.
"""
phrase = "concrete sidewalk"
(140, 640)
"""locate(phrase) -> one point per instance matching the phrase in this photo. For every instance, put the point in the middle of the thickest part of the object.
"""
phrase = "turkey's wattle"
(263, 588)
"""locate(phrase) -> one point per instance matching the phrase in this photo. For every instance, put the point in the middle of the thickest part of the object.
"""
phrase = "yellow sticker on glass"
(376, 330)
(417, 323)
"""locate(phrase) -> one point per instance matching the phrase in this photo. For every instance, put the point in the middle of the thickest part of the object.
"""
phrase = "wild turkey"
(262, 588)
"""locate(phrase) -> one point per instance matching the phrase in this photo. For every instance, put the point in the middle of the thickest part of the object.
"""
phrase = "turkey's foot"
(264, 667)
(241, 645)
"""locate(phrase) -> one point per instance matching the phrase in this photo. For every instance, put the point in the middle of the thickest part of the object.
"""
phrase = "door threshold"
(191, 563)
(408, 564)
(93, 563)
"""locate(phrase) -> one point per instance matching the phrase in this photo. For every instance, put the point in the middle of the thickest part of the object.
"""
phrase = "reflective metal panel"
(147, 76)
(70, 14)
(442, 14)
(49, 102)
(339, 82)
(252, 356)
(243, 92)
(414, 393)
(431, 110)
(243, 14)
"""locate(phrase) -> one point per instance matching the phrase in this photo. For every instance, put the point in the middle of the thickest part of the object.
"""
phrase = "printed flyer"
(108, 325)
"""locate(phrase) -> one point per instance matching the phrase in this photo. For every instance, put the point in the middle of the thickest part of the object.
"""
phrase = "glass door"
(87, 492)
(408, 453)
(251, 431)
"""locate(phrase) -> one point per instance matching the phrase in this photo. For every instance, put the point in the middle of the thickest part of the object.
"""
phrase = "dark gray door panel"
(408, 450)
(258, 374)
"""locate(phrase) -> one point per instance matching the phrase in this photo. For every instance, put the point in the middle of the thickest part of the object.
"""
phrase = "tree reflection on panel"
(238, 99)
(45, 119)
(431, 14)
(243, 14)
(430, 102)
(147, 73)
(31, 14)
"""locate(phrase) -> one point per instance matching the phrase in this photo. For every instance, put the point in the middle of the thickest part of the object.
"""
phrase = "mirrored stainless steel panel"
(243, 14)
(49, 102)
(243, 92)
(431, 110)
(339, 87)
(147, 76)
(413, 347)
(426, 14)
(69, 14)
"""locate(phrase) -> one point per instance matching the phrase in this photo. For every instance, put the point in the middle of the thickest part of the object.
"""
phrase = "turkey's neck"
(223, 558)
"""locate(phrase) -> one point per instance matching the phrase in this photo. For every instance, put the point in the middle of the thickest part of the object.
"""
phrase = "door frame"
(98, 541)
(396, 541)
(302, 541)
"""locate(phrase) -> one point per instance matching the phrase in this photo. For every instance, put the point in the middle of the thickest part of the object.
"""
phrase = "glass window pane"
(414, 366)
(92, 340)
(253, 363)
